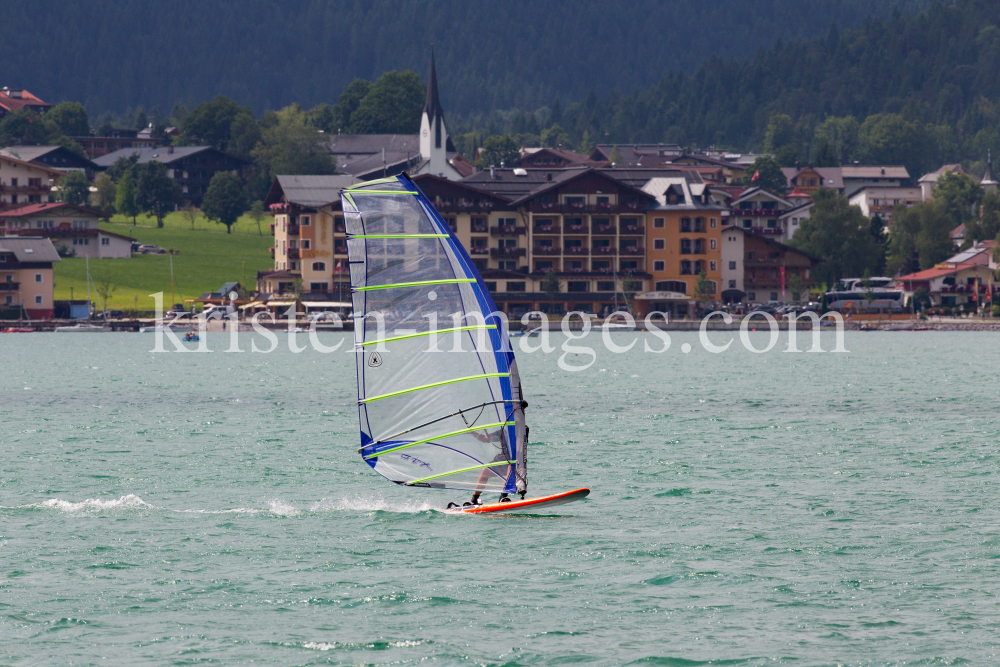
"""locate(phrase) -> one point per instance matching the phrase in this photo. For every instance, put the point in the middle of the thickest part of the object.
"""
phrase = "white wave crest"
(282, 508)
(321, 646)
(370, 504)
(130, 501)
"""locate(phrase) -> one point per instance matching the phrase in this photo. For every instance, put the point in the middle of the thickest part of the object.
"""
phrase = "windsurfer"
(503, 456)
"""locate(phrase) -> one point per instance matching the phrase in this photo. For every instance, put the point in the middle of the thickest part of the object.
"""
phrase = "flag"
(782, 283)
(756, 175)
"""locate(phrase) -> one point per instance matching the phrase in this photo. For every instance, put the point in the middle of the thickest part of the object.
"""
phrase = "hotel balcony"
(576, 250)
(633, 229)
(632, 250)
(462, 206)
(479, 250)
(575, 229)
(340, 249)
(271, 250)
(281, 207)
(26, 189)
(293, 253)
(765, 230)
(755, 213)
(271, 225)
(606, 230)
(546, 229)
(479, 228)
(9, 287)
(547, 250)
(603, 250)
(507, 230)
(293, 229)
(508, 252)
(585, 208)
(339, 228)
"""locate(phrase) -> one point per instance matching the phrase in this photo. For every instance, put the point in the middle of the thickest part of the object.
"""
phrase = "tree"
(71, 118)
(156, 193)
(500, 150)
(551, 287)
(629, 287)
(290, 146)
(190, 212)
(769, 176)
(841, 134)
(122, 165)
(877, 229)
(795, 287)
(892, 139)
(221, 123)
(958, 194)
(348, 103)
(125, 196)
(74, 188)
(988, 225)
(392, 105)
(702, 289)
(25, 127)
(224, 200)
(554, 136)
(839, 234)
(919, 237)
(825, 156)
(106, 193)
(780, 140)
(257, 213)
(105, 288)
(616, 156)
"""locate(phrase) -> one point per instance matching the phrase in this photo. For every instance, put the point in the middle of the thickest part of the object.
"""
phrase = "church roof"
(988, 177)
(433, 105)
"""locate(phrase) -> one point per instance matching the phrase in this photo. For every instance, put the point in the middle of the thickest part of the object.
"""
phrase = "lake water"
(747, 509)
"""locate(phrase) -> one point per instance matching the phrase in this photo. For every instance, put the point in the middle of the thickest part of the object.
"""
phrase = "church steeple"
(989, 181)
(432, 108)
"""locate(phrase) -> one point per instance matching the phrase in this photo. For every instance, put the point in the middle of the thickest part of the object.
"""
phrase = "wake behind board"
(528, 504)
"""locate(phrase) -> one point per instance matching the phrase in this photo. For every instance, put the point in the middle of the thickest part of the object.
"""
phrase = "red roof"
(12, 100)
(797, 194)
(937, 272)
(32, 209)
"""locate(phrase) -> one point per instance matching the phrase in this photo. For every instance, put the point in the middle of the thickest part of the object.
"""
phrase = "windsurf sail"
(439, 396)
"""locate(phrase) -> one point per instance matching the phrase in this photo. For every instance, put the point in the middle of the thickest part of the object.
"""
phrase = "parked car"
(152, 250)
(760, 311)
(217, 310)
(174, 317)
(112, 314)
(178, 309)
(135, 246)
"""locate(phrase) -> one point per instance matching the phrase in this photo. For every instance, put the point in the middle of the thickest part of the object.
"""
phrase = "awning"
(662, 296)
(280, 303)
(255, 304)
(327, 304)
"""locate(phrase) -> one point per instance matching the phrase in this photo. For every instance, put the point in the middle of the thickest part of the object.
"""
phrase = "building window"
(685, 246)
(774, 296)
(659, 244)
(699, 224)
(318, 287)
(491, 286)
(605, 286)
(319, 266)
(750, 255)
(305, 220)
(712, 265)
(38, 277)
(105, 241)
(543, 266)
(686, 225)
(747, 224)
(629, 266)
(712, 244)
(306, 244)
(751, 296)
(671, 286)
(732, 266)
(712, 222)
(685, 267)
(517, 286)
(732, 284)
(659, 265)
(578, 286)
(699, 246)
(699, 266)
(38, 299)
(658, 223)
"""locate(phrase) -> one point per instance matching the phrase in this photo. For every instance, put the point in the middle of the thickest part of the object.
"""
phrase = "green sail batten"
(437, 437)
(429, 333)
(455, 472)
(482, 376)
(390, 179)
(383, 192)
(398, 236)
(420, 283)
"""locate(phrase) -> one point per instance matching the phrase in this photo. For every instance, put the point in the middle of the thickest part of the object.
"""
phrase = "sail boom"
(461, 470)
(436, 437)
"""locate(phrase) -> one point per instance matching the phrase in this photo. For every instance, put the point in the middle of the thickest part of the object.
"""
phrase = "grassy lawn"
(207, 257)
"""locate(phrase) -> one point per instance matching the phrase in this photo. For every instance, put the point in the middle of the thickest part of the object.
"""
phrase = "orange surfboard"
(527, 504)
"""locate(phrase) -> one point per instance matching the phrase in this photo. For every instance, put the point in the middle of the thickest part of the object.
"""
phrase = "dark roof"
(503, 183)
(32, 153)
(771, 241)
(367, 166)
(433, 185)
(351, 144)
(432, 107)
(638, 176)
(309, 191)
(164, 154)
(632, 153)
(569, 175)
(832, 176)
(29, 248)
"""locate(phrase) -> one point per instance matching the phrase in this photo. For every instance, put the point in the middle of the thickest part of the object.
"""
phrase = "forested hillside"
(497, 54)
(920, 90)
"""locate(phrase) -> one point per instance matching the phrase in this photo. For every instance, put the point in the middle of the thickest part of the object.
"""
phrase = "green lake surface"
(746, 509)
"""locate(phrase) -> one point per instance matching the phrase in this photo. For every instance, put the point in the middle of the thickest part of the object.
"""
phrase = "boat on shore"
(83, 328)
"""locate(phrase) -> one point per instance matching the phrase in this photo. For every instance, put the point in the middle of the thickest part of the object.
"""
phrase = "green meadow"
(206, 258)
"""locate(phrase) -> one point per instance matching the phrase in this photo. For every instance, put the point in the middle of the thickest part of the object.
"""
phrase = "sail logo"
(374, 360)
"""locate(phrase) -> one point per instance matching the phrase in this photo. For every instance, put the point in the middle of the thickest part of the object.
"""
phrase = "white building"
(876, 200)
(73, 230)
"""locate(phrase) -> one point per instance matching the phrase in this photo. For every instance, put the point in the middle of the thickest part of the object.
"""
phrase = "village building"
(23, 183)
(882, 201)
(551, 158)
(73, 230)
(14, 99)
(633, 154)
(26, 277)
(310, 242)
(758, 268)
(192, 167)
(950, 284)
(763, 212)
(55, 157)
(95, 146)
(683, 240)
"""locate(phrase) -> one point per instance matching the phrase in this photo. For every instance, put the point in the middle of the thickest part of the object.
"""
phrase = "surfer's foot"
(504, 498)
(475, 499)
